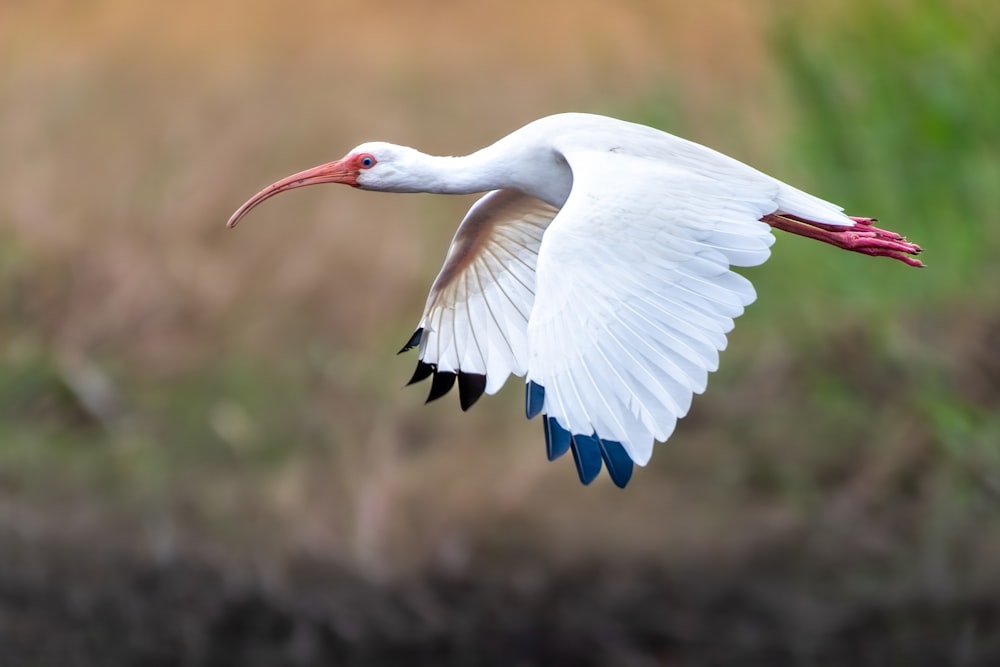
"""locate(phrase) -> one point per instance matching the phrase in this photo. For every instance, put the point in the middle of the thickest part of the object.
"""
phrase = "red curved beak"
(332, 172)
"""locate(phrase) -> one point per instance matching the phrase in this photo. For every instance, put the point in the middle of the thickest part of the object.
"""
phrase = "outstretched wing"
(474, 325)
(634, 299)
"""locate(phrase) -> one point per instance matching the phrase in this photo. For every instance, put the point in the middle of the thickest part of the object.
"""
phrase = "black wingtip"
(441, 385)
(470, 387)
(414, 341)
(422, 372)
(534, 399)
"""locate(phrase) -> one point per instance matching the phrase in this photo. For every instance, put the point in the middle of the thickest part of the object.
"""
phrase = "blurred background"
(206, 455)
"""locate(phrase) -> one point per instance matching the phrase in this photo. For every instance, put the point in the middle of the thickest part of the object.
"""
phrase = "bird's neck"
(499, 166)
(467, 174)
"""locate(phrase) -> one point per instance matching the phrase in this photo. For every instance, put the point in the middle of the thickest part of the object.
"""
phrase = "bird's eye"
(367, 161)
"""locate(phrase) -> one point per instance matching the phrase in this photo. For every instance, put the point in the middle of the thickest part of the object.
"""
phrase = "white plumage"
(597, 266)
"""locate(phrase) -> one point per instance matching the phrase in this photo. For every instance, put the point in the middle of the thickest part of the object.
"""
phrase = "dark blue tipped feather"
(414, 341)
(619, 463)
(534, 399)
(557, 439)
(587, 455)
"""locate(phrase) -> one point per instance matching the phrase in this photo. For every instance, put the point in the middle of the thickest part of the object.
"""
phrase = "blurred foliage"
(895, 110)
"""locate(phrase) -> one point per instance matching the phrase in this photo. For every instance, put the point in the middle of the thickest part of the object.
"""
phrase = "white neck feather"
(534, 169)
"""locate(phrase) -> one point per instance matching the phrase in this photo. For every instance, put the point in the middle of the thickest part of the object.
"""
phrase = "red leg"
(863, 237)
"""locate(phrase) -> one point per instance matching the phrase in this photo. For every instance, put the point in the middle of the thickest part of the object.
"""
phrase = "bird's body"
(597, 266)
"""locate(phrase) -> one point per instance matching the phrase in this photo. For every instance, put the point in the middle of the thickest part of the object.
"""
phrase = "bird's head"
(374, 165)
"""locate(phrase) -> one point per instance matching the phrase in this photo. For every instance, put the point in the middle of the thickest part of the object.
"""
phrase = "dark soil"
(85, 606)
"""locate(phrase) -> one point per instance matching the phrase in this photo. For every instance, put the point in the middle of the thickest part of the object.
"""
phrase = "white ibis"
(596, 266)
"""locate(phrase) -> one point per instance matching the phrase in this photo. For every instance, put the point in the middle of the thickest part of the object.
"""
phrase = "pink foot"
(863, 237)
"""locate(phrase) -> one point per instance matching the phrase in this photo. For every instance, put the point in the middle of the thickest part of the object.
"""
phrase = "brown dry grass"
(129, 132)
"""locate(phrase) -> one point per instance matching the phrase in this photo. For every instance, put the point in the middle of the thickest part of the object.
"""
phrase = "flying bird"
(598, 267)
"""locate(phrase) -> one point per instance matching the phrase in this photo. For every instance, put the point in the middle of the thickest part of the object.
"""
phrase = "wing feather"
(476, 317)
(635, 295)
